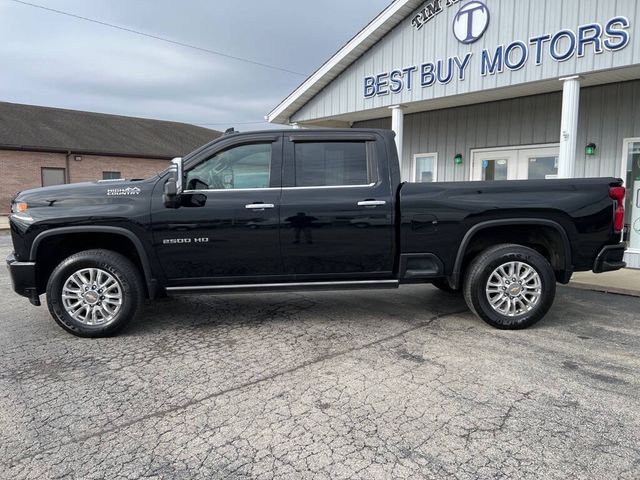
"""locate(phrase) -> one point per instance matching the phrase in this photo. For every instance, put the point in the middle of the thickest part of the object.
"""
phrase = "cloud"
(49, 59)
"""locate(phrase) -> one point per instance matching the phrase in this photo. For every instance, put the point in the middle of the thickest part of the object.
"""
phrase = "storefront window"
(425, 167)
(543, 168)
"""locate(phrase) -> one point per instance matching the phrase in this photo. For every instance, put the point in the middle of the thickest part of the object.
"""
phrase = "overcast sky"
(50, 59)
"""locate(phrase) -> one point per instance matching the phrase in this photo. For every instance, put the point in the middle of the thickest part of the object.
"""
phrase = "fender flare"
(456, 275)
(142, 253)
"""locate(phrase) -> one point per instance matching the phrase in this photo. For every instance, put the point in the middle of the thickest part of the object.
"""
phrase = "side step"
(279, 287)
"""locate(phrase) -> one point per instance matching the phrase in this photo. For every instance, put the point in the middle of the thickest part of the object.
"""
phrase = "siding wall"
(608, 114)
(510, 20)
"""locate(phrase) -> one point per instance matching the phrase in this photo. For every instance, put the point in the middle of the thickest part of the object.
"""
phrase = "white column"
(569, 128)
(397, 125)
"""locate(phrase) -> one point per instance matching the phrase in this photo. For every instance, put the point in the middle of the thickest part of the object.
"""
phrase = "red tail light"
(617, 193)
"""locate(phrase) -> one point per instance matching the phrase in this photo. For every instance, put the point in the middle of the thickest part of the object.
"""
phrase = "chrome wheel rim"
(92, 296)
(513, 289)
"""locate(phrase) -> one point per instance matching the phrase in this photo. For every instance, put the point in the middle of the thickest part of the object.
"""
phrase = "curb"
(605, 289)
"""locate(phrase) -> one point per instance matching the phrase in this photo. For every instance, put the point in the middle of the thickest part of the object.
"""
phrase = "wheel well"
(544, 239)
(53, 250)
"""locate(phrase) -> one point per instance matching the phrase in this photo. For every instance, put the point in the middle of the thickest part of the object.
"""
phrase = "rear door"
(336, 207)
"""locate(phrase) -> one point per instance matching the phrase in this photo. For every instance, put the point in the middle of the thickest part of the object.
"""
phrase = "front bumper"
(23, 278)
(610, 259)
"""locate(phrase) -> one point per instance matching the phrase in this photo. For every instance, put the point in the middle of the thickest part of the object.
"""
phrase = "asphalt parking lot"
(391, 384)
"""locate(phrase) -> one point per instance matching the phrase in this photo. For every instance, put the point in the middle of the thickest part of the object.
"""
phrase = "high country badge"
(123, 191)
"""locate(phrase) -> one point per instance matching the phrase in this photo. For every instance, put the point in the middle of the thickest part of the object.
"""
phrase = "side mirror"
(173, 185)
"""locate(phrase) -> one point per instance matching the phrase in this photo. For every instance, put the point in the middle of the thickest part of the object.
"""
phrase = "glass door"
(632, 182)
(495, 165)
(515, 164)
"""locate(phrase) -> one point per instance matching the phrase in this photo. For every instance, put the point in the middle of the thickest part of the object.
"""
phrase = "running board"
(274, 287)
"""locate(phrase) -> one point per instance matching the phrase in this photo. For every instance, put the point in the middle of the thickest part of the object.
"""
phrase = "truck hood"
(85, 193)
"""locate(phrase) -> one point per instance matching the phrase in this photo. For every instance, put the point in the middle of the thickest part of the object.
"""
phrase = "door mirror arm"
(173, 186)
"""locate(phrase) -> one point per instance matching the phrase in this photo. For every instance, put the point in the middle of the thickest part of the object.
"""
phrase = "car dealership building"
(492, 90)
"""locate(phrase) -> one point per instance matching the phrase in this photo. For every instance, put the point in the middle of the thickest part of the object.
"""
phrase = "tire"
(98, 312)
(526, 303)
(442, 284)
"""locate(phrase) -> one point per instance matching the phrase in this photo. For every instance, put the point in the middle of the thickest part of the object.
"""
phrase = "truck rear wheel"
(510, 286)
(94, 293)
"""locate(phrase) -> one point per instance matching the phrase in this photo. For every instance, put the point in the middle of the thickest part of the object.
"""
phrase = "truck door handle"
(371, 203)
(259, 206)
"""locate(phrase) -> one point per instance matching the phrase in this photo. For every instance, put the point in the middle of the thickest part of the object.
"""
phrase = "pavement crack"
(266, 378)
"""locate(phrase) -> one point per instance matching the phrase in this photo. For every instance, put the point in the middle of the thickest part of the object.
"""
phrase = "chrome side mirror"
(179, 173)
(173, 185)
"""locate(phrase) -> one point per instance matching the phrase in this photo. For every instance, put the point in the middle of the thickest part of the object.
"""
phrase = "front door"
(227, 225)
(536, 163)
(336, 210)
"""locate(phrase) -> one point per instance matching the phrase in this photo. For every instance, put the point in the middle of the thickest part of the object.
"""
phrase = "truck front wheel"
(94, 293)
(510, 286)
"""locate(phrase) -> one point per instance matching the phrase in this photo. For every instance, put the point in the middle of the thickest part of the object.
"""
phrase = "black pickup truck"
(307, 209)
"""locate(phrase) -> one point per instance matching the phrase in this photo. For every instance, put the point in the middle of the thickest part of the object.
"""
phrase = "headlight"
(20, 207)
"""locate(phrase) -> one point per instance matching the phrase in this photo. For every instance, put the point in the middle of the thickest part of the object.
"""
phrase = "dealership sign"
(470, 24)
(429, 11)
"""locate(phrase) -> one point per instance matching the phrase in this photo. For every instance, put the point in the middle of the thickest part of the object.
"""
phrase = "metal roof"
(30, 127)
(349, 53)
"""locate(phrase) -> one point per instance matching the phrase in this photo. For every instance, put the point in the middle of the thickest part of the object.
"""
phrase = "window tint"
(332, 163)
(246, 166)
(111, 175)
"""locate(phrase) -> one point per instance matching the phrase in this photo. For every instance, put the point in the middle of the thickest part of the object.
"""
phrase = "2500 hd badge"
(178, 241)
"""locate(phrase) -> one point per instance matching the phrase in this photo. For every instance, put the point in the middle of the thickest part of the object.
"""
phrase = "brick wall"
(90, 168)
(22, 170)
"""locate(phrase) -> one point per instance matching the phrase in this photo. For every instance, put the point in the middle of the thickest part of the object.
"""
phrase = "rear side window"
(333, 164)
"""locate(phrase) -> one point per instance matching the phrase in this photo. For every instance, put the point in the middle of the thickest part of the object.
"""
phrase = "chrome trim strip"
(371, 203)
(282, 285)
(330, 186)
(232, 190)
(276, 188)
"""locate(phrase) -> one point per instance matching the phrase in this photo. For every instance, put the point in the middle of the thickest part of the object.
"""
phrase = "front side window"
(320, 164)
(246, 166)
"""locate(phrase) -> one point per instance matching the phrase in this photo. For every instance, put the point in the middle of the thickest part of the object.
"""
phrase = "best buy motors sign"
(470, 24)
